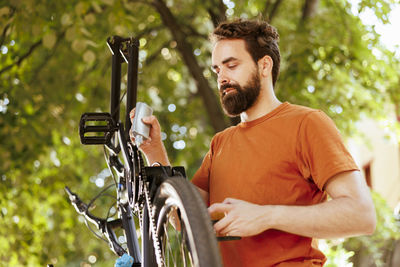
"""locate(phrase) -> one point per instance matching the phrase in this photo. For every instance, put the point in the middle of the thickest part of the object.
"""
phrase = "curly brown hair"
(260, 37)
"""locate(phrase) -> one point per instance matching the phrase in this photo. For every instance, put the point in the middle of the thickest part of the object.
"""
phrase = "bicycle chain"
(153, 228)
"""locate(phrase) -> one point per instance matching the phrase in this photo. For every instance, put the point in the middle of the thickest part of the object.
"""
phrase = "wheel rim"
(174, 238)
(195, 242)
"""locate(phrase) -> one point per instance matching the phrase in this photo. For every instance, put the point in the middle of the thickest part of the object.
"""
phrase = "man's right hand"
(152, 147)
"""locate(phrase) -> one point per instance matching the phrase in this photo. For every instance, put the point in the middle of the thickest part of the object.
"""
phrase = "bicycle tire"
(198, 244)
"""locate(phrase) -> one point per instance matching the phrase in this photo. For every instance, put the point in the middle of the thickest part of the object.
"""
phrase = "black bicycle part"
(104, 226)
(114, 43)
(132, 83)
(123, 49)
(134, 181)
(99, 134)
(156, 175)
(149, 255)
(129, 227)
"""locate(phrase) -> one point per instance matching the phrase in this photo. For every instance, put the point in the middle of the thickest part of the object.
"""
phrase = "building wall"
(379, 150)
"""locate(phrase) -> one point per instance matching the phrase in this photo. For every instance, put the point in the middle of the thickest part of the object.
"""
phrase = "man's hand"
(152, 147)
(241, 218)
(154, 135)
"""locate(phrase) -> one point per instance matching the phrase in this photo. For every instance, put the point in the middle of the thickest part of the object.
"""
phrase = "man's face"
(238, 77)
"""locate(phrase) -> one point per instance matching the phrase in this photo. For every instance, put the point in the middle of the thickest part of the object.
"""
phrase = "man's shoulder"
(310, 118)
(227, 131)
(300, 110)
(296, 113)
(220, 136)
(298, 116)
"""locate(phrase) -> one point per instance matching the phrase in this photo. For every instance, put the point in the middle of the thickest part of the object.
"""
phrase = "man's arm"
(350, 212)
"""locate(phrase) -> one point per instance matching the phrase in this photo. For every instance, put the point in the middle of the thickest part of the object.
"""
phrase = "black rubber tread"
(181, 191)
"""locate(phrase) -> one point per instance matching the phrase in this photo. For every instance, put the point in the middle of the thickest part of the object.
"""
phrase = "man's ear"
(265, 65)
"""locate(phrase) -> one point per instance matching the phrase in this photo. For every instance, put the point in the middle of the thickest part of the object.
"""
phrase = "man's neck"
(264, 105)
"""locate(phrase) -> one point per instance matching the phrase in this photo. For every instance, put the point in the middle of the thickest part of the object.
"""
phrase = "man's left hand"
(242, 218)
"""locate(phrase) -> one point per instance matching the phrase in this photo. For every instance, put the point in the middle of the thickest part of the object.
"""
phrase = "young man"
(271, 174)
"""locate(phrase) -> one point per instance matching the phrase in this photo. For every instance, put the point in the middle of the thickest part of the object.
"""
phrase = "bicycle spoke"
(175, 251)
(182, 246)
(168, 243)
(187, 256)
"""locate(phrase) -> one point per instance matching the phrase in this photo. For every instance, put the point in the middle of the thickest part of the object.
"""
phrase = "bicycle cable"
(91, 203)
(97, 196)
(108, 165)
(119, 105)
(91, 230)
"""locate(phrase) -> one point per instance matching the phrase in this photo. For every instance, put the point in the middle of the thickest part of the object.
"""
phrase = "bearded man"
(271, 174)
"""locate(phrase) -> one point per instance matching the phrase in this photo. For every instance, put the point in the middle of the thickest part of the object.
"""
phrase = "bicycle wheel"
(183, 226)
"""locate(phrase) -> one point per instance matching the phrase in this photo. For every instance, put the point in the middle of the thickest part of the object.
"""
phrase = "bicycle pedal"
(96, 128)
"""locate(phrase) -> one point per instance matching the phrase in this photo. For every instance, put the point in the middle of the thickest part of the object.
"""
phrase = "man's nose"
(222, 79)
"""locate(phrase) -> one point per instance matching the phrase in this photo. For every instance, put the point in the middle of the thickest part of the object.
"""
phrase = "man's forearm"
(158, 154)
(341, 217)
(350, 212)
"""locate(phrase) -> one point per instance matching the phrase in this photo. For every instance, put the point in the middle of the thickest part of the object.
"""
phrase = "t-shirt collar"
(265, 117)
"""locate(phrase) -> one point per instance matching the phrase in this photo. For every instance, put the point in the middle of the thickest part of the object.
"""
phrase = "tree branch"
(22, 58)
(274, 10)
(50, 55)
(32, 48)
(190, 31)
(3, 35)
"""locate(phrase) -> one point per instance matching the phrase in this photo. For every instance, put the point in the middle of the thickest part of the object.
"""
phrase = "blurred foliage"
(54, 65)
(378, 248)
(375, 250)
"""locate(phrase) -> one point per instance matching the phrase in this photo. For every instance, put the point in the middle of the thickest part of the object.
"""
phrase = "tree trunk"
(210, 101)
(309, 9)
(219, 16)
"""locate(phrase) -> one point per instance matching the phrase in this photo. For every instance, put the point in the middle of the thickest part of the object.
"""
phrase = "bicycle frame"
(114, 137)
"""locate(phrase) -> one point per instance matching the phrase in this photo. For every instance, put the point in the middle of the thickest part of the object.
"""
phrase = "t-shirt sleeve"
(321, 150)
(201, 177)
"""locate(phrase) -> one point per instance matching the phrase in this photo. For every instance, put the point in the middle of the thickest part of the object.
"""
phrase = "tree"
(55, 65)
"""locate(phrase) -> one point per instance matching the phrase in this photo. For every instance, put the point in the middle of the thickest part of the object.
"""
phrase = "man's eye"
(232, 66)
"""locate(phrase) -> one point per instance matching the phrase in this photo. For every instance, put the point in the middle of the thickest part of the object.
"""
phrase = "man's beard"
(244, 98)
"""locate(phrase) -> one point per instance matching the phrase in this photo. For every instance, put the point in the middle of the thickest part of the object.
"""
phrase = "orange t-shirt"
(283, 158)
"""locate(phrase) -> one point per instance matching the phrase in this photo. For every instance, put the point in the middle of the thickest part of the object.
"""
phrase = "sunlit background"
(54, 65)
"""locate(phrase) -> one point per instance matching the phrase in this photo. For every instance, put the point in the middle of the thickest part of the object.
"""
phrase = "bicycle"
(170, 210)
